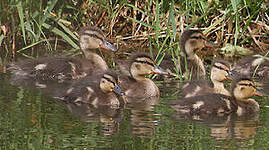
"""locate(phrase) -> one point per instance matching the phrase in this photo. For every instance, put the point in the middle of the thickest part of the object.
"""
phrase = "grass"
(155, 25)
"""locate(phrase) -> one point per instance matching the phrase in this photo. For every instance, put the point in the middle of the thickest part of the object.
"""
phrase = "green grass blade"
(62, 34)
(67, 30)
(29, 46)
(234, 5)
(21, 16)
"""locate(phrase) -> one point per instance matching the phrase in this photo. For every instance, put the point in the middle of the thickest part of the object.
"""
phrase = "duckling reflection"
(235, 128)
(108, 116)
(143, 120)
(229, 126)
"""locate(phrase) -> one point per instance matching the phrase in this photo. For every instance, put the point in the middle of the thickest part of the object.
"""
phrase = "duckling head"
(192, 41)
(244, 88)
(142, 64)
(93, 38)
(109, 83)
(221, 71)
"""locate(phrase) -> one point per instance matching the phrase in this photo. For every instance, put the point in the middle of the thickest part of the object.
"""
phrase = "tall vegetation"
(154, 24)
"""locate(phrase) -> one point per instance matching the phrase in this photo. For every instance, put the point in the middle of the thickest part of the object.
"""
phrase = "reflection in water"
(142, 119)
(108, 116)
(41, 122)
(228, 126)
(52, 88)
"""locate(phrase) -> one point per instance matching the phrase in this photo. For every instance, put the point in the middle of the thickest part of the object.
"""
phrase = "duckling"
(191, 41)
(137, 85)
(64, 68)
(220, 72)
(218, 104)
(248, 65)
(88, 90)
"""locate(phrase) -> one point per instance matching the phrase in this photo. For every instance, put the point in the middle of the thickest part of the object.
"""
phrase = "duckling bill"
(136, 84)
(218, 104)
(64, 68)
(220, 72)
(98, 90)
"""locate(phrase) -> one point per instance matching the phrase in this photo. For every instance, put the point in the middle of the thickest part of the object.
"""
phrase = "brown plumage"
(220, 72)
(137, 85)
(193, 66)
(95, 90)
(247, 66)
(218, 104)
(64, 68)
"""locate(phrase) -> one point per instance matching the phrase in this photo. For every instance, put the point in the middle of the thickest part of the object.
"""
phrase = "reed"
(156, 24)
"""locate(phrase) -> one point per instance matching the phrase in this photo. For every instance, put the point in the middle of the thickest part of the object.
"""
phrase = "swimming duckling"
(95, 90)
(191, 41)
(218, 104)
(220, 72)
(248, 65)
(64, 68)
(137, 85)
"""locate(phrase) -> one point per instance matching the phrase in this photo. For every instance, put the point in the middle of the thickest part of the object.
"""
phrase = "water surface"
(32, 119)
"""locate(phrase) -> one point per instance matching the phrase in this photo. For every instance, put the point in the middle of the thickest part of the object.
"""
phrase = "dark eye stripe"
(109, 80)
(197, 37)
(247, 84)
(220, 68)
(145, 62)
(93, 35)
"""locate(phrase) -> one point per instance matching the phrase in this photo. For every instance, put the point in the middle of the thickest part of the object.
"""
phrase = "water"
(32, 119)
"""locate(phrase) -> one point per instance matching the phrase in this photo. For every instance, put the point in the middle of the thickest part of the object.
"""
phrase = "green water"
(31, 119)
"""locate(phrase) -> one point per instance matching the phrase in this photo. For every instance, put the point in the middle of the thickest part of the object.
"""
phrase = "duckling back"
(252, 64)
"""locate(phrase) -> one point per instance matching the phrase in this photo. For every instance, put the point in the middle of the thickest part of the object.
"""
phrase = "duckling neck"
(219, 88)
(96, 60)
(197, 60)
(247, 106)
(148, 85)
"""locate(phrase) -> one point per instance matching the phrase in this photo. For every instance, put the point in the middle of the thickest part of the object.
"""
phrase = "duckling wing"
(203, 104)
(123, 66)
(194, 88)
(247, 67)
(83, 93)
(48, 68)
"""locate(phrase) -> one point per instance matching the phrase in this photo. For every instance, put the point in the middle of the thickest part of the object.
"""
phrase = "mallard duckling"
(191, 41)
(137, 85)
(248, 65)
(218, 104)
(88, 90)
(220, 72)
(64, 68)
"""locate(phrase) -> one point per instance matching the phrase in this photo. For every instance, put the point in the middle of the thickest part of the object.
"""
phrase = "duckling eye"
(250, 84)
